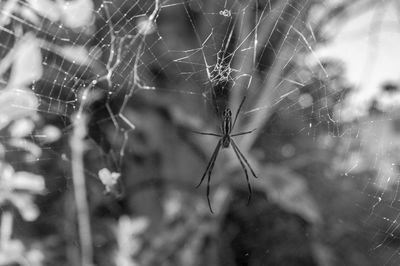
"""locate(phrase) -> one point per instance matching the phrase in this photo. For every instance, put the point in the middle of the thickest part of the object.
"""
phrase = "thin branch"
(78, 147)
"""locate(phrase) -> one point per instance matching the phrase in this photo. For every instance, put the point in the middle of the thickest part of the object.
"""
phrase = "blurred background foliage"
(148, 89)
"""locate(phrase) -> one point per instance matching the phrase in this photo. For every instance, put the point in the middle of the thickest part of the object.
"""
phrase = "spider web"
(127, 46)
(198, 58)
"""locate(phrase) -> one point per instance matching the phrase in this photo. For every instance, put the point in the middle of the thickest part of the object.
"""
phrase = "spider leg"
(245, 172)
(209, 175)
(212, 159)
(206, 133)
(242, 133)
(237, 112)
(208, 189)
(244, 158)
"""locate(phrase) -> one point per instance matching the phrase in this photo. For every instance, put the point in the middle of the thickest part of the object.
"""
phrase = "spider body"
(225, 141)
(226, 128)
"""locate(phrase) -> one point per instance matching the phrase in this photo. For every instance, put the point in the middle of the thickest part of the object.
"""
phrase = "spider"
(226, 140)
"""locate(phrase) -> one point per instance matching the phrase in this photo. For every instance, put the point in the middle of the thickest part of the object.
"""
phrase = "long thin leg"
(245, 172)
(244, 158)
(243, 133)
(237, 112)
(212, 159)
(209, 176)
(206, 133)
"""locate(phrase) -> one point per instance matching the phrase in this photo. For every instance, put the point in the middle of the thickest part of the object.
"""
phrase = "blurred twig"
(78, 147)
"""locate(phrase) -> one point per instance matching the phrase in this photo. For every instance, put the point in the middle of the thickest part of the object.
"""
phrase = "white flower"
(109, 179)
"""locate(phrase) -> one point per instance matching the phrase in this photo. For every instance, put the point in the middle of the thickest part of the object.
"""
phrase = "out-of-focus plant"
(129, 233)
(17, 188)
(21, 65)
(17, 192)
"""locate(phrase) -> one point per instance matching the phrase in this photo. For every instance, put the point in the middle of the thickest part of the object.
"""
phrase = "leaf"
(21, 128)
(75, 54)
(28, 181)
(133, 226)
(128, 231)
(24, 204)
(50, 134)
(16, 104)
(11, 252)
(6, 173)
(70, 9)
(18, 187)
(14, 252)
(33, 149)
(11, 180)
(288, 190)
(46, 8)
(7, 10)
(27, 65)
(30, 15)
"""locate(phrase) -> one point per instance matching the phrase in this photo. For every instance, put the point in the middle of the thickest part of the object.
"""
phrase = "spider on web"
(226, 140)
